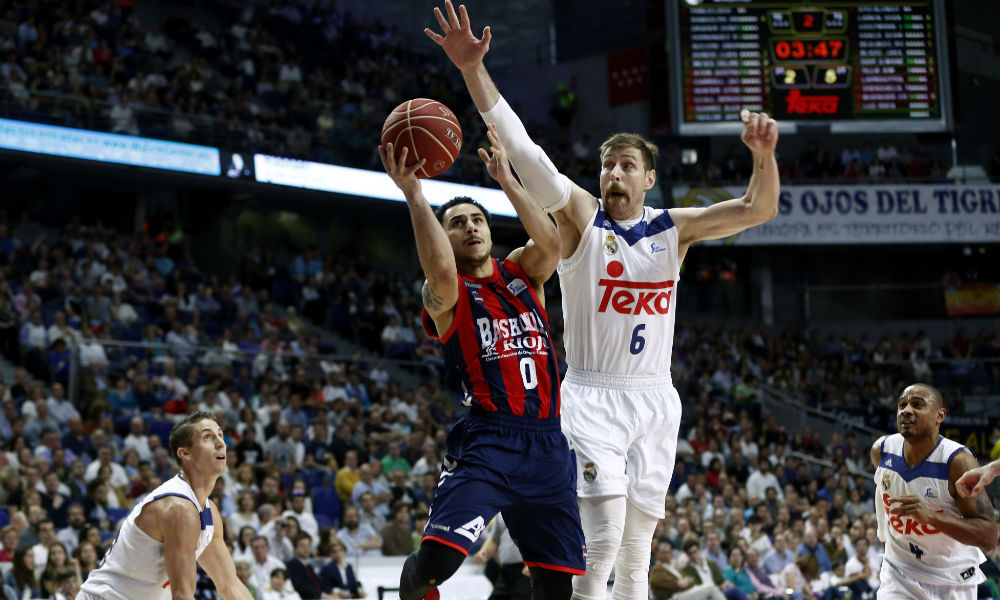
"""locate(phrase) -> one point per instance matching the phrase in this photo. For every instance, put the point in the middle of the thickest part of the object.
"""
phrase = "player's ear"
(650, 179)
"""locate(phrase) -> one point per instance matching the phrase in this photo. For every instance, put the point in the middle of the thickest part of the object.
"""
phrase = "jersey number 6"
(638, 342)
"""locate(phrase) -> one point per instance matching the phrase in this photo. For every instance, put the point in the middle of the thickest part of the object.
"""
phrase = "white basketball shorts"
(897, 585)
(624, 432)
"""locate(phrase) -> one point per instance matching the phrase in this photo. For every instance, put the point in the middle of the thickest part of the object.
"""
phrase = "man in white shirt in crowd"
(138, 440)
(118, 476)
(297, 509)
(59, 407)
(263, 563)
(761, 479)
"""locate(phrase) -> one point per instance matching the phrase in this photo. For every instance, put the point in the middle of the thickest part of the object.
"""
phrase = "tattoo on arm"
(984, 507)
(432, 300)
(761, 166)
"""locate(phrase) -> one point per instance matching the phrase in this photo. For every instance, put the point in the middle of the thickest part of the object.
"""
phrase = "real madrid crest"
(589, 472)
(885, 481)
(610, 245)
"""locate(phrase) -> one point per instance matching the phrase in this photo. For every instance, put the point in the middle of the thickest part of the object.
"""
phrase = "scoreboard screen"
(853, 65)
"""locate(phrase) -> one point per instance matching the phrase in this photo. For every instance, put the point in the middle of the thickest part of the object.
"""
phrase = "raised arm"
(218, 563)
(437, 259)
(974, 481)
(758, 205)
(540, 255)
(553, 191)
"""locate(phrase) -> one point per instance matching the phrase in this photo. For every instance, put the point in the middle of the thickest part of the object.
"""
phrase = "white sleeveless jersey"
(134, 568)
(920, 551)
(619, 295)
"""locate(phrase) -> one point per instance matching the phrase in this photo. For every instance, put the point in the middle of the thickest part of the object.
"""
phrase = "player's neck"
(915, 450)
(478, 268)
(201, 485)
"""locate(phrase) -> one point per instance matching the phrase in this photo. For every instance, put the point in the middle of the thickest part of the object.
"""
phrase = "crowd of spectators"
(259, 77)
(331, 457)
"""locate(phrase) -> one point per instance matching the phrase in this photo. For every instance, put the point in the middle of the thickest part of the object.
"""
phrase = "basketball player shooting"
(619, 271)
(933, 536)
(508, 453)
(154, 555)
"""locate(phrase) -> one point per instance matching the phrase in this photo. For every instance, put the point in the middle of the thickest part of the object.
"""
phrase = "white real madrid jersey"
(921, 551)
(619, 295)
(133, 568)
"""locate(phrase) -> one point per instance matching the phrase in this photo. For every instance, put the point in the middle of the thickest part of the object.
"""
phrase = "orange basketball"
(429, 129)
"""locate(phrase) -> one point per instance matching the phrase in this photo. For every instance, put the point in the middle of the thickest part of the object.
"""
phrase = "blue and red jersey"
(498, 351)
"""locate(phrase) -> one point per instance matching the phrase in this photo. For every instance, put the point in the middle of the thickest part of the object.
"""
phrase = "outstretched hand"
(496, 160)
(458, 41)
(404, 177)
(760, 132)
(973, 482)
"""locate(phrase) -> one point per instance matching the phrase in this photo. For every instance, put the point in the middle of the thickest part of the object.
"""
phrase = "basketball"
(429, 129)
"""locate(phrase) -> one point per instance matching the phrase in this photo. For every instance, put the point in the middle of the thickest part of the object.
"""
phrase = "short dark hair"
(302, 535)
(182, 435)
(691, 542)
(439, 213)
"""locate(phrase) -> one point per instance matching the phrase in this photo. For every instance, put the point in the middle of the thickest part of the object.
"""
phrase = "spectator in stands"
(21, 578)
(762, 479)
(118, 477)
(279, 587)
(280, 449)
(368, 513)
(60, 407)
(368, 484)
(57, 560)
(8, 543)
(70, 534)
(702, 571)
(430, 461)
(303, 515)
(243, 573)
(666, 581)
(360, 539)
(780, 556)
(263, 563)
(300, 571)
(763, 582)
(337, 577)
(714, 551)
(397, 534)
(87, 556)
(348, 475)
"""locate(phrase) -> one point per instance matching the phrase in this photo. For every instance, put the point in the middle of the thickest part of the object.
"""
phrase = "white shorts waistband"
(615, 381)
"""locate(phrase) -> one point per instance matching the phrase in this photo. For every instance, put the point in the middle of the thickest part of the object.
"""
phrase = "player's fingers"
(452, 17)
(483, 154)
(410, 170)
(437, 39)
(463, 18)
(441, 20)
(486, 38)
(744, 115)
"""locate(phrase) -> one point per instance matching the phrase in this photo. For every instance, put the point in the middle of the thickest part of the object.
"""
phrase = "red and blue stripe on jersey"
(498, 351)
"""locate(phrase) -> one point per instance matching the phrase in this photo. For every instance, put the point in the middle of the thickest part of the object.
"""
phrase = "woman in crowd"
(86, 558)
(21, 578)
(57, 561)
(737, 575)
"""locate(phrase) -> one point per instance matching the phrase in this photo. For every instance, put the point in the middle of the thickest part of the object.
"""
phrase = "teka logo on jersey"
(634, 297)
(906, 525)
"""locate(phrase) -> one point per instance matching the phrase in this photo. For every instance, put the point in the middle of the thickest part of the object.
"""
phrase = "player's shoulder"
(174, 508)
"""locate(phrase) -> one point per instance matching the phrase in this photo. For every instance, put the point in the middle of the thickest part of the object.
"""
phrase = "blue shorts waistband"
(508, 421)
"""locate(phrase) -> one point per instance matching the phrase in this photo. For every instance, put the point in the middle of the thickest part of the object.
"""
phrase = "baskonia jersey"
(498, 351)
(618, 295)
(134, 566)
(921, 551)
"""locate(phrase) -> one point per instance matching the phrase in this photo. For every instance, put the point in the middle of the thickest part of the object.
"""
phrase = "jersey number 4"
(915, 549)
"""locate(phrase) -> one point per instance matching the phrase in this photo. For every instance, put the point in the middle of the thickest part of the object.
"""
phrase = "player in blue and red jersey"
(509, 453)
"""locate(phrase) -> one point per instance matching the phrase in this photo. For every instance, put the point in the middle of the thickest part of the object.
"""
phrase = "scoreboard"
(852, 65)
